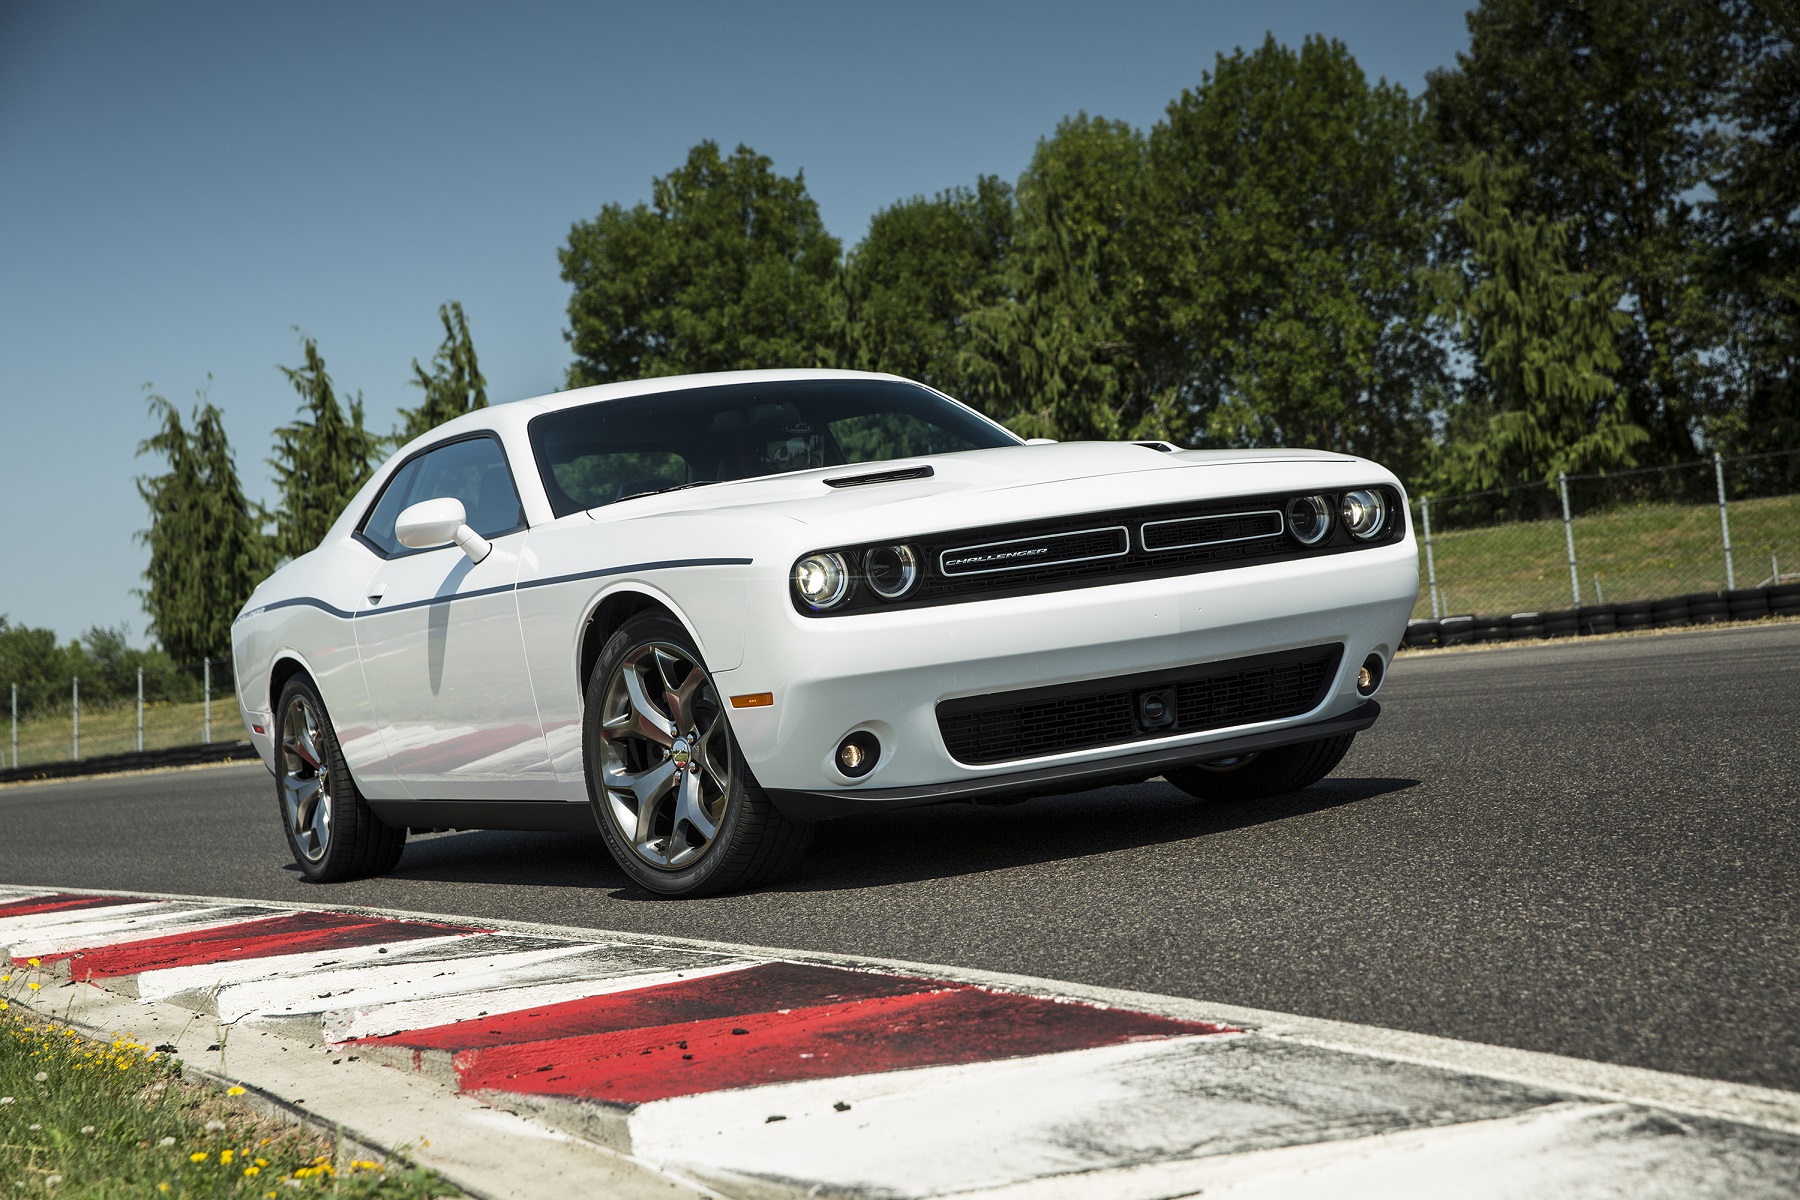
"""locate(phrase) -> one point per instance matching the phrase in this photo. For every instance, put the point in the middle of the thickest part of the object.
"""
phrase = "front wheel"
(1265, 773)
(331, 831)
(675, 801)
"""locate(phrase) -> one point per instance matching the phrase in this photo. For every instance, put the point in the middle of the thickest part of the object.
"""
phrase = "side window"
(473, 471)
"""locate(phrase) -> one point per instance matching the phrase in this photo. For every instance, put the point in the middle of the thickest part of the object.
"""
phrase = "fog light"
(1368, 678)
(1365, 515)
(822, 580)
(1309, 519)
(857, 754)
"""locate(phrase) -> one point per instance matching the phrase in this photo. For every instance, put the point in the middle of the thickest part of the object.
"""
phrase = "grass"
(112, 729)
(81, 1119)
(1638, 553)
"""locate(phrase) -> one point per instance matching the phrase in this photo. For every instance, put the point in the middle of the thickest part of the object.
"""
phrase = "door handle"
(377, 592)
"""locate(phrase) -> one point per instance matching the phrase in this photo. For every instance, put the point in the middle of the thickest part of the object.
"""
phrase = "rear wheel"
(331, 831)
(1265, 773)
(675, 800)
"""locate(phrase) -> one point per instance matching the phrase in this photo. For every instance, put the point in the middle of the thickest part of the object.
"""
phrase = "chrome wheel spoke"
(305, 780)
(711, 757)
(643, 718)
(690, 806)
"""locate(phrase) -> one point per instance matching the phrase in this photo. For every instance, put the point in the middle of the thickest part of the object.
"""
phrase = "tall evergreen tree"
(207, 550)
(453, 386)
(1542, 336)
(1282, 251)
(1613, 107)
(320, 460)
(728, 268)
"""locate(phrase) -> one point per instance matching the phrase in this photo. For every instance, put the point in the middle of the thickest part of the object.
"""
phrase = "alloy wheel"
(305, 780)
(665, 755)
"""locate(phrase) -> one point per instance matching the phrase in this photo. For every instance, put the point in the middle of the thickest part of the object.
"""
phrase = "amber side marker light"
(753, 700)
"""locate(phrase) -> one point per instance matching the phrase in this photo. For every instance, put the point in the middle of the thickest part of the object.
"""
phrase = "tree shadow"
(907, 846)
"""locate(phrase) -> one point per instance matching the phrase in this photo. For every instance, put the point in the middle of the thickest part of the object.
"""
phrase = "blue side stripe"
(666, 564)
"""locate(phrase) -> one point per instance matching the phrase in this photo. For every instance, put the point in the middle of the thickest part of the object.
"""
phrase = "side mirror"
(438, 523)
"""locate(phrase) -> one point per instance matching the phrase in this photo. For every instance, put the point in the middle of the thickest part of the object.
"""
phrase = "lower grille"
(1004, 726)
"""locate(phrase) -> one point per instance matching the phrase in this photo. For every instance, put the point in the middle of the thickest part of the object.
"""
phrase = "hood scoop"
(847, 481)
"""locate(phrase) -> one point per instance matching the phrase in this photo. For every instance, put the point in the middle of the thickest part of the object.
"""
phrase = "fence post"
(15, 727)
(1724, 521)
(1562, 487)
(206, 670)
(1430, 563)
(76, 693)
(140, 711)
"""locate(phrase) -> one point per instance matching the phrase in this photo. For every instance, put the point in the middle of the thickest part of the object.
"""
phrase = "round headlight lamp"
(822, 580)
(1365, 514)
(891, 570)
(1309, 519)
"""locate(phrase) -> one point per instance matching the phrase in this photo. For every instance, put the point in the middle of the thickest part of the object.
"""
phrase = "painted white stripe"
(1571, 1151)
(950, 1129)
(205, 977)
(26, 924)
(66, 939)
(341, 1026)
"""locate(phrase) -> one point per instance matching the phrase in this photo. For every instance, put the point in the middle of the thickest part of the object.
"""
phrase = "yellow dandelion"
(234, 1090)
(225, 1157)
(253, 1172)
(34, 986)
(262, 1162)
(197, 1156)
(162, 1187)
(31, 962)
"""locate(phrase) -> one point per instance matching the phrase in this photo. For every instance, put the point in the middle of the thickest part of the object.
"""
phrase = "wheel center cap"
(681, 754)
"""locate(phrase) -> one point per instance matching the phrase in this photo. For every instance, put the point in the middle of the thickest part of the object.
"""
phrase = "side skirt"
(526, 815)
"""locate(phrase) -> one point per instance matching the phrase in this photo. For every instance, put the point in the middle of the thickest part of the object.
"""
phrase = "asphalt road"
(1584, 848)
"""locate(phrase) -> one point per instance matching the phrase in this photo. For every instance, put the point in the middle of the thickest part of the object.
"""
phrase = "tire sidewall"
(335, 864)
(697, 878)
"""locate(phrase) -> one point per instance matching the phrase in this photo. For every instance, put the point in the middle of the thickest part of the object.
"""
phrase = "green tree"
(321, 460)
(728, 268)
(1613, 107)
(1754, 260)
(908, 282)
(1283, 249)
(207, 549)
(454, 384)
(32, 659)
(1542, 336)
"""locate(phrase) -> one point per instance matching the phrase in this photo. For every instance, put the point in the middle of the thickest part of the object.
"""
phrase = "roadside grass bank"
(50, 737)
(1638, 553)
(82, 1118)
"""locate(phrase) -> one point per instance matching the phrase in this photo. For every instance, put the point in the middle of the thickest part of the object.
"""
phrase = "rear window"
(609, 451)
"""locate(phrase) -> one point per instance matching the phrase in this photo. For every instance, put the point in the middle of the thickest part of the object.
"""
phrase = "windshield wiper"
(673, 487)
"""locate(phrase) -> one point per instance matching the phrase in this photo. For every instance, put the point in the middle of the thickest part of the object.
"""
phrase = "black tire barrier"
(1456, 631)
(1421, 633)
(1748, 604)
(145, 760)
(1490, 629)
(1708, 608)
(1635, 614)
(1785, 604)
(1525, 627)
(1563, 622)
(1601, 618)
(1669, 613)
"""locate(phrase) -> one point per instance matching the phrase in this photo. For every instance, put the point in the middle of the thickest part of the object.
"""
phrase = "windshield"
(615, 449)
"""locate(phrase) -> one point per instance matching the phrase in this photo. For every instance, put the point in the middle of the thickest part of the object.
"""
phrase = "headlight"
(891, 570)
(1365, 514)
(1309, 519)
(822, 580)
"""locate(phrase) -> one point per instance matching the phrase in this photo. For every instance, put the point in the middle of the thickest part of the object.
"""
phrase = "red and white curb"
(763, 1073)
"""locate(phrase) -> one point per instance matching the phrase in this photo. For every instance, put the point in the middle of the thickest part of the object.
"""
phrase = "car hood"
(983, 487)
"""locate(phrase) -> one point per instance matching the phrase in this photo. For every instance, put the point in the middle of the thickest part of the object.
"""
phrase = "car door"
(439, 638)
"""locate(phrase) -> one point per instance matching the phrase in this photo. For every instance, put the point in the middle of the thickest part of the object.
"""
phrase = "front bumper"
(1132, 766)
(886, 672)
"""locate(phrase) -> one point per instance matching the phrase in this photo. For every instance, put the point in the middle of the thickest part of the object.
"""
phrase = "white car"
(703, 613)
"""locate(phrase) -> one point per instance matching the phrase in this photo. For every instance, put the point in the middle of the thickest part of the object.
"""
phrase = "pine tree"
(207, 551)
(321, 460)
(452, 387)
(1543, 336)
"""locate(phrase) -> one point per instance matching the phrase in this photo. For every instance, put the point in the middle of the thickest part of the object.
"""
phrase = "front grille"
(1005, 726)
(1023, 554)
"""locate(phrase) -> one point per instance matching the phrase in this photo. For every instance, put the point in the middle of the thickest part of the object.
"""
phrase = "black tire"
(355, 843)
(1270, 773)
(753, 842)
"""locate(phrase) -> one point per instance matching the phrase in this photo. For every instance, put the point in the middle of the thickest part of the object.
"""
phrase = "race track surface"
(1589, 849)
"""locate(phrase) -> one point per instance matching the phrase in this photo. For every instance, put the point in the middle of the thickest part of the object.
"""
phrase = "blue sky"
(181, 185)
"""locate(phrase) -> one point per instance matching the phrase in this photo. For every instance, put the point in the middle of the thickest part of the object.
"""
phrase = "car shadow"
(904, 846)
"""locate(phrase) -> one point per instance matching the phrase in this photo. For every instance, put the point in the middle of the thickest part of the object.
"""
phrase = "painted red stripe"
(62, 902)
(760, 989)
(889, 1033)
(290, 933)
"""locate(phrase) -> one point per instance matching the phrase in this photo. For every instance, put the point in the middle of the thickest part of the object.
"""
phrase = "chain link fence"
(187, 705)
(1718, 538)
